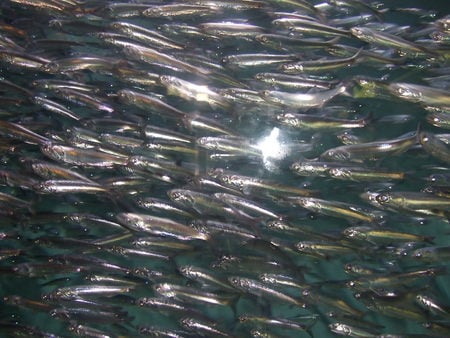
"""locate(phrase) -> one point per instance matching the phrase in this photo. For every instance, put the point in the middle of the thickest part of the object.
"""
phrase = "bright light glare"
(272, 148)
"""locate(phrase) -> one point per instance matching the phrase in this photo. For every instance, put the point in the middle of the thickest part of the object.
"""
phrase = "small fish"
(231, 29)
(309, 27)
(84, 157)
(68, 186)
(395, 278)
(434, 146)
(301, 100)
(376, 235)
(303, 81)
(149, 102)
(241, 203)
(202, 327)
(217, 228)
(192, 91)
(86, 331)
(335, 209)
(291, 43)
(205, 204)
(306, 121)
(321, 249)
(433, 306)
(22, 59)
(256, 60)
(407, 200)
(83, 99)
(147, 36)
(159, 226)
(186, 294)
(321, 65)
(205, 277)
(79, 63)
(238, 145)
(376, 37)
(178, 10)
(432, 253)
(151, 56)
(162, 206)
(19, 132)
(343, 329)
(371, 150)
(276, 322)
(313, 168)
(425, 95)
(440, 120)
(84, 314)
(55, 107)
(259, 289)
(361, 174)
(157, 134)
(250, 185)
(94, 290)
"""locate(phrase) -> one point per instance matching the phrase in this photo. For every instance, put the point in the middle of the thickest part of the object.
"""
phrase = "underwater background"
(253, 168)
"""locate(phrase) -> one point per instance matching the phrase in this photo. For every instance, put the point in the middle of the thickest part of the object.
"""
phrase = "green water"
(35, 238)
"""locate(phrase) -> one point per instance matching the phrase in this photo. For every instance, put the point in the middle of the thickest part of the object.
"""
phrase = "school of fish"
(224, 168)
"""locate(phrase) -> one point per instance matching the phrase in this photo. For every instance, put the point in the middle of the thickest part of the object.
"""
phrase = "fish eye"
(382, 198)
(346, 330)
(424, 139)
(186, 321)
(436, 119)
(243, 318)
(400, 90)
(174, 194)
(262, 38)
(226, 179)
(142, 301)
(295, 166)
(300, 246)
(350, 232)
(348, 267)
(356, 31)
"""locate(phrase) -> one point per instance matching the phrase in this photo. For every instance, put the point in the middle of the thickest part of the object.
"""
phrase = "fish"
(302, 100)
(305, 121)
(309, 27)
(319, 65)
(159, 226)
(371, 150)
(403, 46)
(418, 93)
(202, 326)
(434, 146)
(68, 186)
(335, 209)
(257, 168)
(379, 235)
(79, 156)
(95, 290)
(186, 293)
(259, 289)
